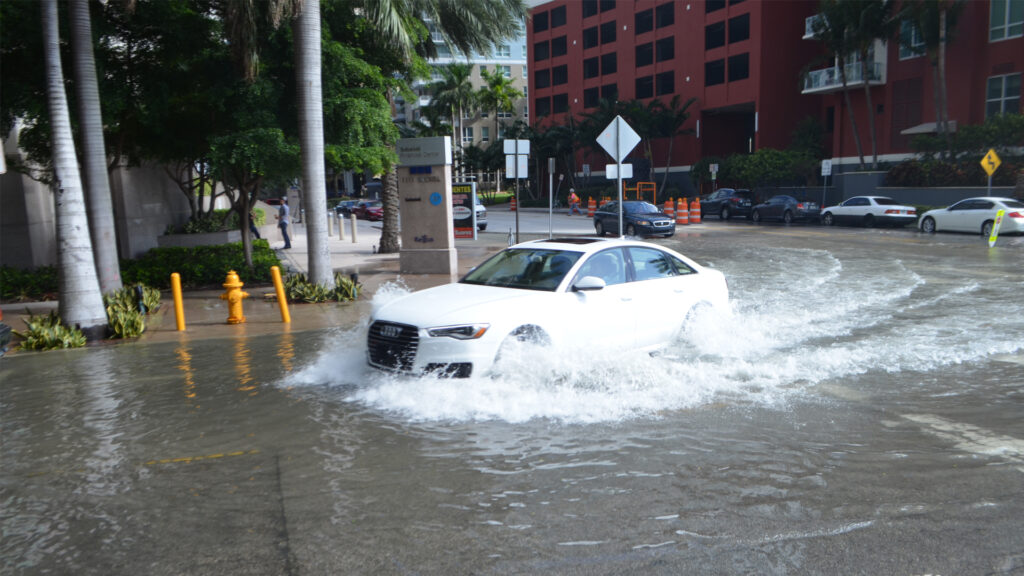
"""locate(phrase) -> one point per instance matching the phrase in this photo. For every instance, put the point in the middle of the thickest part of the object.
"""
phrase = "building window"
(665, 83)
(710, 6)
(1006, 19)
(559, 47)
(644, 87)
(643, 22)
(558, 16)
(609, 63)
(504, 51)
(714, 72)
(540, 22)
(560, 103)
(608, 32)
(483, 70)
(542, 78)
(505, 71)
(541, 51)
(739, 28)
(467, 135)
(666, 49)
(1003, 95)
(589, 8)
(590, 37)
(739, 67)
(714, 35)
(542, 107)
(591, 68)
(607, 5)
(485, 134)
(610, 92)
(559, 75)
(911, 43)
(645, 55)
(665, 15)
(591, 98)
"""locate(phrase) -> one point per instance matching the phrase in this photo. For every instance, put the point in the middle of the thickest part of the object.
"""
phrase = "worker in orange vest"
(574, 202)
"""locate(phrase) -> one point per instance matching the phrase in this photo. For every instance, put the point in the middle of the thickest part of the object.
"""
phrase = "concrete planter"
(204, 239)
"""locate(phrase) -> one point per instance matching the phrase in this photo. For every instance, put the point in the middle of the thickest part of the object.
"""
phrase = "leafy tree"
(836, 28)
(874, 22)
(498, 96)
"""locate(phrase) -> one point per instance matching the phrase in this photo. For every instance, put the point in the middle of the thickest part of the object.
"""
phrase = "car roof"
(585, 244)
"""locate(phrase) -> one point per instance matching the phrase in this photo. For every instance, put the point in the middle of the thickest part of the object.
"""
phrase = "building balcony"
(829, 80)
(809, 26)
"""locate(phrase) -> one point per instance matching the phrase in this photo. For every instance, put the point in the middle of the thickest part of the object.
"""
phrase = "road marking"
(972, 439)
(190, 459)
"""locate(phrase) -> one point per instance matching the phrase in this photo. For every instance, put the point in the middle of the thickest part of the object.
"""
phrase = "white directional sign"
(611, 171)
(517, 147)
(517, 166)
(618, 139)
(826, 167)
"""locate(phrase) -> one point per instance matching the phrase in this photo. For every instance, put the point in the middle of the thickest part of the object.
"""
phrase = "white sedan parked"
(869, 211)
(609, 294)
(976, 215)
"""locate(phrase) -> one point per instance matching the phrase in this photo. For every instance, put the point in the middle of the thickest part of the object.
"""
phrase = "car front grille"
(662, 223)
(392, 345)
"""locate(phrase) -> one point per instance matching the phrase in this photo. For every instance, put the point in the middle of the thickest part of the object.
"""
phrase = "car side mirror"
(588, 283)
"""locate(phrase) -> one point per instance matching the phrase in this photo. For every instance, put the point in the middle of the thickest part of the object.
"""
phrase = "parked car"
(481, 215)
(785, 208)
(726, 203)
(869, 211)
(566, 293)
(372, 210)
(976, 215)
(344, 208)
(639, 218)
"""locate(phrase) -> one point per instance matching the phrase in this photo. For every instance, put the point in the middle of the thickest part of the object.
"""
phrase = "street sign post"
(517, 153)
(826, 171)
(619, 139)
(990, 163)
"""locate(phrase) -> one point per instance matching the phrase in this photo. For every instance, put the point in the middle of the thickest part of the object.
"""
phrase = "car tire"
(756, 217)
(523, 336)
(482, 227)
(928, 225)
(724, 214)
(630, 230)
(599, 228)
(787, 217)
(869, 221)
(828, 219)
(986, 228)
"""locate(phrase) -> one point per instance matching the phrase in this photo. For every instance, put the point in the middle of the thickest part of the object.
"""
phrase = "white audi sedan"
(869, 211)
(611, 294)
(976, 215)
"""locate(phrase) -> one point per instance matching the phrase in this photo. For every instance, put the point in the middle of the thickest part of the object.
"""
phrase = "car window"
(528, 269)
(682, 268)
(886, 202)
(649, 264)
(640, 208)
(608, 265)
(1013, 204)
(858, 202)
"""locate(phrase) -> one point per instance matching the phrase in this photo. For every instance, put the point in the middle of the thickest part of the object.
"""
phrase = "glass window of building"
(610, 92)
(714, 72)
(665, 15)
(645, 54)
(540, 22)
(590, 37)
(560, 103)
(739, 67)
(739, 28)
(1006, 19)
(559, 75)
(467, 135)
(666, 49)
(541, 51)
(608, 32)
(609, 63)
(713, 5)
(607, 5)
(558, 16)
(714, 35)
(559, 47)
(911, 42)
(504, 51)
(1003, 95)
(542, 107)
(665, 83)
(485, 134)
(591, 68)
(643, 21)
(589, 8)
(483, 69)
(542, 78)
(591, 98)
(645, 87)
(505, 71)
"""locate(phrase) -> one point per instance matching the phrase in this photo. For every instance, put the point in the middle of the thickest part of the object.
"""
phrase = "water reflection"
(243, 367)
(184, 354)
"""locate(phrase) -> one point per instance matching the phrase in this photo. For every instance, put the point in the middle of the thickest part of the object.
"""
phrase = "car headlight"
(644, 222)
(460, 332)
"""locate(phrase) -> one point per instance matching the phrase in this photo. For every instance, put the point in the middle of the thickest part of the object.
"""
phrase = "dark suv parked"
(727, 202)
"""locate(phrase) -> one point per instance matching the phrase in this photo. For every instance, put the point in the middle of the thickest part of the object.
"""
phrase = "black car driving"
(638, 218)
(726, 203)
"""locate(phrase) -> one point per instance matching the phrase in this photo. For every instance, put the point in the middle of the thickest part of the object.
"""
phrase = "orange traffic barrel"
(591, 206)
(682, 213)
(670, 208)
(513, 208)
(695, 211)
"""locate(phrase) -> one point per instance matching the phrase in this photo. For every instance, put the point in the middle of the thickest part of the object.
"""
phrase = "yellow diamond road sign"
(991, 162)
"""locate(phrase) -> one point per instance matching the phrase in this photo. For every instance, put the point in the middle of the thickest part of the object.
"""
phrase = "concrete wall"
(146, 201)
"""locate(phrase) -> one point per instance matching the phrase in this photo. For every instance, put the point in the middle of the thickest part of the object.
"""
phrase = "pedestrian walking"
(283, 221)
(252, 225)
(574, 202)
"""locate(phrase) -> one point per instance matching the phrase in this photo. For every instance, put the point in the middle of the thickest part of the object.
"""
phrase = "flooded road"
(860, 410)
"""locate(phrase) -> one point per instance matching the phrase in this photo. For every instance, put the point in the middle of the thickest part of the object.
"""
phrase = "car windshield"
(526, 268)
(374, 204)
(640, 208)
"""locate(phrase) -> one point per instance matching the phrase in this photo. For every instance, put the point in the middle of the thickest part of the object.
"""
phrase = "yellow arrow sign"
(991, 162)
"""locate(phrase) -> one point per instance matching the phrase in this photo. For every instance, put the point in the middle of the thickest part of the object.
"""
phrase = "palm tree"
(875, 22)
(81, 302)
(94, 156)
(455, 92)
(670, 122)
(498, 96)
(835, 28)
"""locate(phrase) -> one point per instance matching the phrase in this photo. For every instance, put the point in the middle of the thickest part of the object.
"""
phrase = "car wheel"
(756, 217)
(787, 217)
(724, 214)
(630, 230)
(828, 219)
(599, 228)
(869, 221)
(928, 225)
(482, 227)
(517, 344)
(986, 228)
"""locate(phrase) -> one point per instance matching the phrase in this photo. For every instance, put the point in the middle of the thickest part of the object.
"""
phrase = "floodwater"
(859, 410)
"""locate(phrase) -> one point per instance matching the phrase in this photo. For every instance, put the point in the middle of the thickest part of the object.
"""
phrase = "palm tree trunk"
(943, 111)
(389, 236)
(311, 139)
(849, 109)
(81, 302)
(94, 156)
(871, 109)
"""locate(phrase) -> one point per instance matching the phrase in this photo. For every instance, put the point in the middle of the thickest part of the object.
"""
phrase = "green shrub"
(124, 318)
(200, 265)
(18, 285)
(299, 289)
(48, 333)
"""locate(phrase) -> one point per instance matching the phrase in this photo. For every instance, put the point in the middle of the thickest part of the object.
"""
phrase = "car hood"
(453, 304)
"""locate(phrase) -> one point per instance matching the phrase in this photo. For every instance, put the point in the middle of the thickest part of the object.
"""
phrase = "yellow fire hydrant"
(234, 296)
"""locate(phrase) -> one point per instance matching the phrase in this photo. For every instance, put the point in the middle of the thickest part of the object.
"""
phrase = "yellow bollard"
(179, 307)
(282, 299)
(234, 295)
